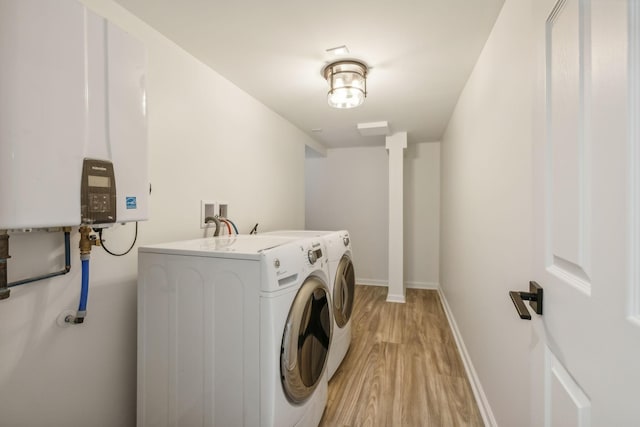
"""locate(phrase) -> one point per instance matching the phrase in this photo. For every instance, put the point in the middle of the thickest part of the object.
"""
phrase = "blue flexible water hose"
(84, 292)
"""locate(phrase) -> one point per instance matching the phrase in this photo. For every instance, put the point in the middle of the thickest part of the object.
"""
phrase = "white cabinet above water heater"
(72, 87)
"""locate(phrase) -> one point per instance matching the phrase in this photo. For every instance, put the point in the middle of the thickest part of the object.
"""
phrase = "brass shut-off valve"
(87, 240)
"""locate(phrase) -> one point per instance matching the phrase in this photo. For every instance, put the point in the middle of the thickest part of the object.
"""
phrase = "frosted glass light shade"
(345, 98)
(347, 83)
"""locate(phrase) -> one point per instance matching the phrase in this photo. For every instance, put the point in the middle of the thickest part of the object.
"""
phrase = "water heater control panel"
(98, 192)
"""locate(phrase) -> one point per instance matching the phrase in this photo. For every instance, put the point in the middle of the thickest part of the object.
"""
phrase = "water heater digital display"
(99, 181)
(98, 192)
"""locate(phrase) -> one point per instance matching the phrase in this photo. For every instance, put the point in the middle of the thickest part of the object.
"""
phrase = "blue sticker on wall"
(131, 202)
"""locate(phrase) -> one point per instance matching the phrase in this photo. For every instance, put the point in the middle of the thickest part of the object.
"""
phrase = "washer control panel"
(314, 253)
(312, 256)
(288, 265)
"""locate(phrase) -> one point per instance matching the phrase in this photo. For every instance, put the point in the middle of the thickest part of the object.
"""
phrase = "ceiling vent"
(374, 128)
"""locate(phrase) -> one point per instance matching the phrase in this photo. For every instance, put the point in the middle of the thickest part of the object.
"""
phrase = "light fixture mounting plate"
(344, 61)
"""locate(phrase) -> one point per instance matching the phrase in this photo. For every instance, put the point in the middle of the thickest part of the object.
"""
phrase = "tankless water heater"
(72, 96)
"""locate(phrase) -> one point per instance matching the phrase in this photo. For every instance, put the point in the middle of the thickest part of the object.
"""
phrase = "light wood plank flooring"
(403, 367)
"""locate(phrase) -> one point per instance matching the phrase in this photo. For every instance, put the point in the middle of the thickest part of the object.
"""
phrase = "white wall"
(208, 140)
(422, 214)
(349, 189)
(486, 222)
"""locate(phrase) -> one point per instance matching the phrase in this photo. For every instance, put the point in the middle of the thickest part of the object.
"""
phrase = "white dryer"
(342, 287)
(343, 294)
(233, 331)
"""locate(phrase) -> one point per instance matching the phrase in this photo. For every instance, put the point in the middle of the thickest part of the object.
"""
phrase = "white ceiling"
(421, 53)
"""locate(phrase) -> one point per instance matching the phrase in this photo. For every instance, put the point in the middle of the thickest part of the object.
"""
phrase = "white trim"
(634, 163)
(396, 298)
(422, 285)
(372, 282)
(408, 285)
(478, 392)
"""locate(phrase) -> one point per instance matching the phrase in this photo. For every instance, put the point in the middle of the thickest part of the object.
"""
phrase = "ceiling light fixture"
(347, 83)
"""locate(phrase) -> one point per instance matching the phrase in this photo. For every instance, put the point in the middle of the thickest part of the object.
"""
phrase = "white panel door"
(586, 345)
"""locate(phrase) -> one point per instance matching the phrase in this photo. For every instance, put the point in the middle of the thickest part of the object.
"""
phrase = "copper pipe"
(65, 270)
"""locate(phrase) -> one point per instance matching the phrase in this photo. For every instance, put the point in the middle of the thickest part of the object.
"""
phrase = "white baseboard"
(422, 285)
(408, 285)
(372, 282)
(396, 298)
(478, 392)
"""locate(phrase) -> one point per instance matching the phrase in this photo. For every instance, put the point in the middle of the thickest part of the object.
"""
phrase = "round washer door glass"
(306, 340)
(343, 291)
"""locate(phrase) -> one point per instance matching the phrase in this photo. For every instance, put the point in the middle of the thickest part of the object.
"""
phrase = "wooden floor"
(403, 367)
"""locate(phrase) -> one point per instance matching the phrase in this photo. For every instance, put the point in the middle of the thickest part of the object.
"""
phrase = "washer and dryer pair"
(234, 331)
(342, 287)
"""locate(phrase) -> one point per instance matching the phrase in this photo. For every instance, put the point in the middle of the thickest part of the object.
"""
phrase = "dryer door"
(306, 339)
(343, 291)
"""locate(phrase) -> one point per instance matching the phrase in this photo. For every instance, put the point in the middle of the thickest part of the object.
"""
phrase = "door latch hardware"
(534, 296)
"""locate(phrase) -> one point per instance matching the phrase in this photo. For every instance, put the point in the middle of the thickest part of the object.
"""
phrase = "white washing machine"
(342, 287)
(233, 331)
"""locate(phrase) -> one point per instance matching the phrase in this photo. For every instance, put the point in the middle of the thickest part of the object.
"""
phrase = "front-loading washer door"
(306, 340)
(343, 291)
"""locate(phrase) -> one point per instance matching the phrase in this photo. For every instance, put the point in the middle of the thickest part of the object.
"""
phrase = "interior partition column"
(395, 145)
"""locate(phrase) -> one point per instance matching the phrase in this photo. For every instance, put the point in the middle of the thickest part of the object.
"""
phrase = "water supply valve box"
(73, 88)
